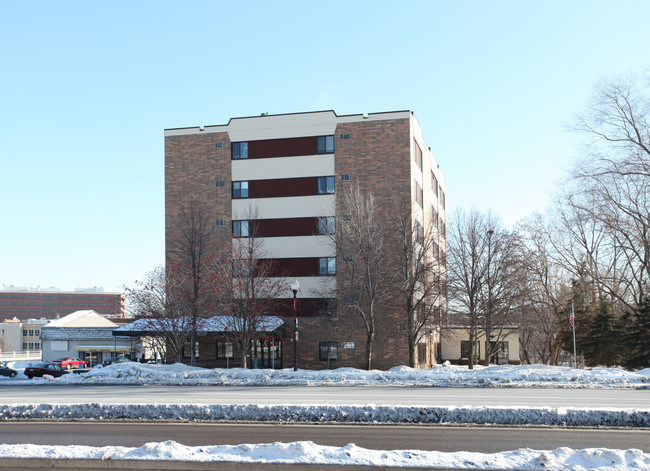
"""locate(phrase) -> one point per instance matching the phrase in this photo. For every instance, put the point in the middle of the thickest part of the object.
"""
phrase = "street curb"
(155, 465)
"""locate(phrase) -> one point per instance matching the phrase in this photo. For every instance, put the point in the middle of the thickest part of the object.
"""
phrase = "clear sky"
(87, 88)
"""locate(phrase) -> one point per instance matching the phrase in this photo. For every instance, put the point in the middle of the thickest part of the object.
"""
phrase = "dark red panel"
(287, 227)
(283, 187)
(305, 307)
(306, 266)
(282, 147)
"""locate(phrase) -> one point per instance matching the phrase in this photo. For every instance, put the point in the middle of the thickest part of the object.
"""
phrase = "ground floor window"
(328, 351)
(90, 357)
(224, 350)
(500, 353)
(186, 350)
(464, 349)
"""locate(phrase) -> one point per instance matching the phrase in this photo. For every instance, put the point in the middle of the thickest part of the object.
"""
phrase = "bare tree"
(160, 304)
(549, 291)
(248, 288)
(612, 186)
(363, 272)
(486, 282)
(193, 254)
(419, 274)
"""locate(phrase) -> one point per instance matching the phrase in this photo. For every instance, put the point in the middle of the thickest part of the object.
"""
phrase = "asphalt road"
(25, 392)
(441, 438)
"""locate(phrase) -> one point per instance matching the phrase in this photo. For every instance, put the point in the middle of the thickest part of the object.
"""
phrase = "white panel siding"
(290, 207)
(283, 167)
(312, 287)
(254, 128)
(306, 246)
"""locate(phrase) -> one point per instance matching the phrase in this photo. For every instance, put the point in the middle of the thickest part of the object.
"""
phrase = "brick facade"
(377, 154)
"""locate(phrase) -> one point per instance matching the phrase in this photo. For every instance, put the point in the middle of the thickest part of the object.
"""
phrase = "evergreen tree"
(637, 337)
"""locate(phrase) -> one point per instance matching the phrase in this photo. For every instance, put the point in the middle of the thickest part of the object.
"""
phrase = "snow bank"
(440, 376)
(311, 453)
(574, 417)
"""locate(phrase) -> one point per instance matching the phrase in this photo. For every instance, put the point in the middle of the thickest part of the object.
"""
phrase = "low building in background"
(34, 303)
(455, 346)
(88, 335)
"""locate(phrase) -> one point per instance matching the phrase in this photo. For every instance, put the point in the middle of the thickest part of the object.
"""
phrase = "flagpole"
(573, 326)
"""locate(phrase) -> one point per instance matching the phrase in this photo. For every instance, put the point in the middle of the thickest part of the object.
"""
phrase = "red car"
(40, 369)
(71, 362)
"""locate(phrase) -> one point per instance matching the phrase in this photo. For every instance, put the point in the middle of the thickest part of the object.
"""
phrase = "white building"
(87, 335)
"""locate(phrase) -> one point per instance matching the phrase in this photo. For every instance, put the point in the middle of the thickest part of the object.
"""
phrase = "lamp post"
(295, 286)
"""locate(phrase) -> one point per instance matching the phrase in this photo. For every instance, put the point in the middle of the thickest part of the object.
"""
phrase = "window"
(326, 225)
(240, 228)
(464, 349)
(325, 185)
(37, 332)
(31, 332)
(221, 183)
(325, 145)
(346, 136)
(346, 177)
(500, 353)
(24, 332)
(240, 150)
(221, 222)
(219, 145)
(442, 199)
(186, 350)
(240, 189)
(418, 194)
(327, 266)
(418, 156)
(434, 184)
(419, 232)
(224, 350)
(24, 345)
(328, 351)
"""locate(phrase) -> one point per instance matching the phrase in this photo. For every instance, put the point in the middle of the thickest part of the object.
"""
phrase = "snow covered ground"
(538, 376)
(528, 376)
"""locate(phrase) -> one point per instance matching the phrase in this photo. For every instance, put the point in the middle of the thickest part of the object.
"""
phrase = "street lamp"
(295, 286)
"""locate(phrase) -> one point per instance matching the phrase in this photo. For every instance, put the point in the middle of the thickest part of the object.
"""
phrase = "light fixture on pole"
(295, 286)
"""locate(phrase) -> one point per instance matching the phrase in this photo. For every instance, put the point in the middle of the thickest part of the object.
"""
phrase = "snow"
(310, 453)
(528, 376)
(539, 376)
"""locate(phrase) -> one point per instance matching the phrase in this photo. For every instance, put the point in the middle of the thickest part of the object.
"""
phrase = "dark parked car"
(71, 362)
(40, 369)
(6, 371)
(112, 361)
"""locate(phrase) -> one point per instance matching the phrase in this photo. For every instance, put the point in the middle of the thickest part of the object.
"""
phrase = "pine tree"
(637, 337)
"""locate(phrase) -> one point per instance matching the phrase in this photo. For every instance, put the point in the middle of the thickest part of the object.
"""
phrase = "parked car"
(71, 362)
(40, 369)
(112, 361)
(6, 371)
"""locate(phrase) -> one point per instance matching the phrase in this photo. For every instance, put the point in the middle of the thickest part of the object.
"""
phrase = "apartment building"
(285, 172)
(28, 303)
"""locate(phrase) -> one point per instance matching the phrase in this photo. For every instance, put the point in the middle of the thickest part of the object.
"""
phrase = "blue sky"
(87, 88)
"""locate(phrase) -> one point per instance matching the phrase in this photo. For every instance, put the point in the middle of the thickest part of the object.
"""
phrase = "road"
(430, 437)
(26, 392)
(441, 438)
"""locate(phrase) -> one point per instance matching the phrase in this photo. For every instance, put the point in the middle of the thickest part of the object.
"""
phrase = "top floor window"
(325, 145)
(240, 150)
(326, 225)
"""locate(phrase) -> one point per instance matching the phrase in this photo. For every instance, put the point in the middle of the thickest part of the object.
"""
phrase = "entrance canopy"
(218, 325)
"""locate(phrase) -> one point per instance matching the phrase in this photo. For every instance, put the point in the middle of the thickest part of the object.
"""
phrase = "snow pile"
(440, 376)
(311, 453)
(574, 417)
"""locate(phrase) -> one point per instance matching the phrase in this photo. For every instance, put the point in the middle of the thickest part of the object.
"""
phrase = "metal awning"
(104, 348)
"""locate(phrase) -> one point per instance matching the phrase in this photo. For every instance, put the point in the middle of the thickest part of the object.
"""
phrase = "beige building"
(21, 335)
(455, 346)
